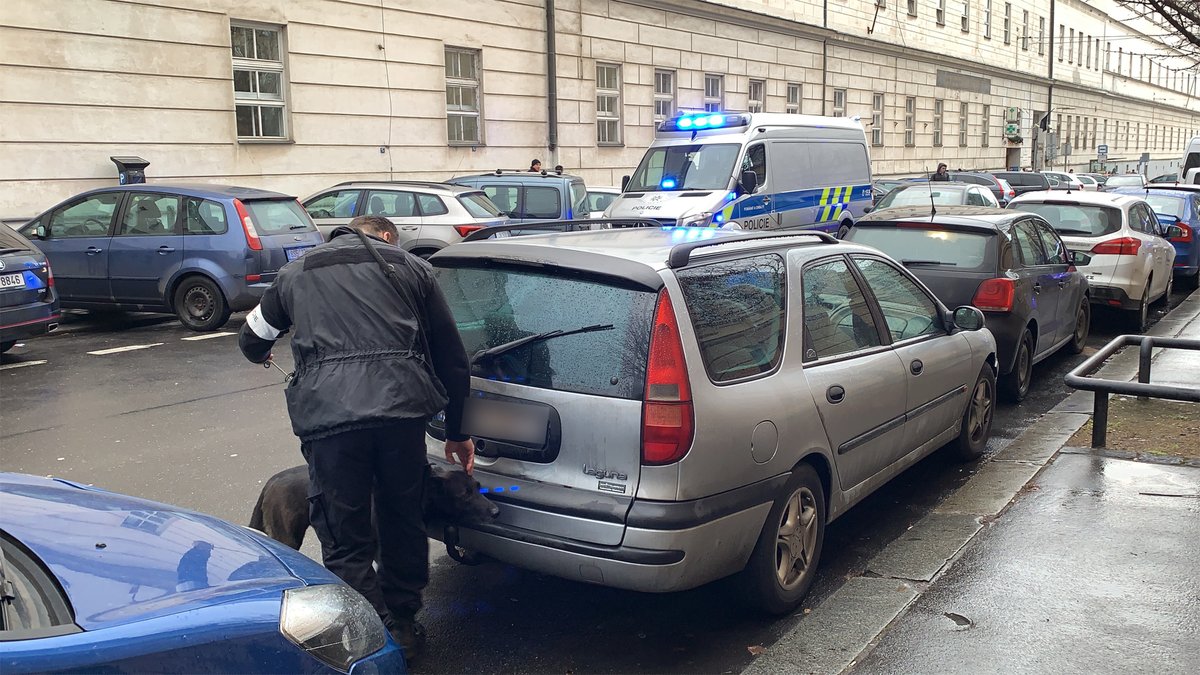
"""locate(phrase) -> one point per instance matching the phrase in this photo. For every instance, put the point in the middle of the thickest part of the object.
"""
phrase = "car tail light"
(667, 415)
(49, 275)
(252, 239)
(253, 278)
(995, 295)
(464, 230)
(1122, 246)
(1187, 233)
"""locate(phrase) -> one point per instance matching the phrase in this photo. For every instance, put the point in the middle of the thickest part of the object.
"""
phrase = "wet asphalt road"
(186, 421)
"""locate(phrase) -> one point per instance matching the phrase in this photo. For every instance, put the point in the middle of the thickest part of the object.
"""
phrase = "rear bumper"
(30, 320)
(1112, 296)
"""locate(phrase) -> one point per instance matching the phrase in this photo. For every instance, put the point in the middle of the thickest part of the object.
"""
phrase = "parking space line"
(117, 350)
(22, 364)
(207, 336)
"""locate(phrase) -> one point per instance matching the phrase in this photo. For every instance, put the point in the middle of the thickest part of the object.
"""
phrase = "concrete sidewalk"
(1042, 562)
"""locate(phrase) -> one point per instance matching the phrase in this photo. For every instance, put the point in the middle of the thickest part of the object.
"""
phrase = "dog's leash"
(286, 375)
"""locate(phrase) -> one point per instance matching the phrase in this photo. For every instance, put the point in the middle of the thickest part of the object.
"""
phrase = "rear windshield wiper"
(298, 227)
(928, 262)
(1067, 230)
(536, 337)
(12, 250)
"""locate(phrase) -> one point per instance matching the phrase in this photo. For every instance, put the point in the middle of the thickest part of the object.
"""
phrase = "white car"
(598, 199)
(1130, 257)
(1126, 180)
(1066, 181)
(1089, 184)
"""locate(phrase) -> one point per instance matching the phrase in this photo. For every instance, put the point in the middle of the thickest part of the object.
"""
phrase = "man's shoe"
(410, 635)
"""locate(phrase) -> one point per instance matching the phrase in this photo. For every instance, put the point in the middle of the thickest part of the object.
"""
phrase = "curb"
(847, 625)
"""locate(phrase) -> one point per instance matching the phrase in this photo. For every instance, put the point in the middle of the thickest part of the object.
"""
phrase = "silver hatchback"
(655, 409)
(428, 216)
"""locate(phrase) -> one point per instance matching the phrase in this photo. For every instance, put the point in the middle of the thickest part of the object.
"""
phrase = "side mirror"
(624, 182)
(749, 181)
(1173, 232)
(1079, 258)
(967, 317)
(41, 232)
(868, 209)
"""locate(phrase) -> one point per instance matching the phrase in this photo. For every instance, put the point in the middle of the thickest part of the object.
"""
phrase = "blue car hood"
(121, 559)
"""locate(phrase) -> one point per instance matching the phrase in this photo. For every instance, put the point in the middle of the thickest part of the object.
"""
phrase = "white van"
(1189, 167)
(753, 171)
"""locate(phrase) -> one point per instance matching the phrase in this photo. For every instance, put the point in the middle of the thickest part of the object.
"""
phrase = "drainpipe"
(824, 75)
(551, 79)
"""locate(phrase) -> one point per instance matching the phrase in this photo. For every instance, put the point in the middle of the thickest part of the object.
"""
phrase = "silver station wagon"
(655, 409)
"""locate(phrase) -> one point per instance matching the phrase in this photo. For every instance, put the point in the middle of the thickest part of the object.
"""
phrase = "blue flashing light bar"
(705, 120)
(667, 183)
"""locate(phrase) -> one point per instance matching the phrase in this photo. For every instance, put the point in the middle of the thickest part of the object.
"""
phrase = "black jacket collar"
(342, 230)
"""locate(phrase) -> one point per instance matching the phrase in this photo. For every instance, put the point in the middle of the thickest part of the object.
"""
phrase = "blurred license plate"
(295, 252)
(506, 421)
(12, 281)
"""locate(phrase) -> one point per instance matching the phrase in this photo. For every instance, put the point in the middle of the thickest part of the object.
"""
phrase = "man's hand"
(464, 451)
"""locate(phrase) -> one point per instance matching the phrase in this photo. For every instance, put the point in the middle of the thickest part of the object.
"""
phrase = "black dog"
(282, 508)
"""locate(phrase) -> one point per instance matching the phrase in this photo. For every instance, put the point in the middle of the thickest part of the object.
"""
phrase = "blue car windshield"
(1166, 205)
(686, 167)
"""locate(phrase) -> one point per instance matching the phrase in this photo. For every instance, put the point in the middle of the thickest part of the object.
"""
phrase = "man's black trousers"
(344, 471)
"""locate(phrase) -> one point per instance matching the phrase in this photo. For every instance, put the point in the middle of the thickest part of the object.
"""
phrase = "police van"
(751, 171)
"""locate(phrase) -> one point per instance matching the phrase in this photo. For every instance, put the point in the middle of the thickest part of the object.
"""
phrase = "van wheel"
(784, 562)
(1015, 385)
(200, 304)
(977, 419)
(843, 231)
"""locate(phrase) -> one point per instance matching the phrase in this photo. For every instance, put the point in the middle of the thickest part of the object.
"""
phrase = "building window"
(462, 97)
(938, 107)
(260, 109)
(963, 124)
(1108, 56)
(714, 92)
(1008, 23)
(910, 121)
(1079, 49)
(1071, 48)
(1120, 58)
(987, 19)
(664, 94)
(940, 14)
(793, 99)
(1097, 53)
(839, 102)
(877, 119)
(912, 7)
(1041, 36)
(755, 103)
(1024, 30)
(608, 104)
(1062, 45)
(966, 16)
(881, 4)
(1089, 51)
(985, 138)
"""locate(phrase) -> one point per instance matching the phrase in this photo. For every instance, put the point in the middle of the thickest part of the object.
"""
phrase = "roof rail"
(577, 225)
(543, 172)
(681, 254)
(397, 182)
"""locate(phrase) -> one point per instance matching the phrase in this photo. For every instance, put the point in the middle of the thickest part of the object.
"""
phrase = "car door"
(507, 199)
(856, 381)
(1164, 251)
(1145, 227)
(333, 208)
(937, 364)
(77, 241)
(1045, 285)
(400, 207)
(758, 209)
(1064, 283)
(146, 248)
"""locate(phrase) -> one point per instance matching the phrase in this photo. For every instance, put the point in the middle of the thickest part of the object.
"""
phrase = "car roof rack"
(576, 225)
(430, 183)
(527, 172)
(681, 254)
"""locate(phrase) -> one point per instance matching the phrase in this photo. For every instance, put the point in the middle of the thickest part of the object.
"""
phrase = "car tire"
(843, 231)
(1192, 281)
(771, 581)
(977, 418)
(1137, 318)
(200, 304)
(1083, 324)
(1165, 300)
(5, 346)
(1015, 385)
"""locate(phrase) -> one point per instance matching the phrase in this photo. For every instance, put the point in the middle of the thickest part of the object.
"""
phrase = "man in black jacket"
(359, 402)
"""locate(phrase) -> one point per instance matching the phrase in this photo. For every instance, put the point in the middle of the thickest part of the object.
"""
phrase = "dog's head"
(455, 497)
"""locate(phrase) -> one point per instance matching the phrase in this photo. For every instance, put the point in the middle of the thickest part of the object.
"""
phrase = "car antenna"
(932, 207)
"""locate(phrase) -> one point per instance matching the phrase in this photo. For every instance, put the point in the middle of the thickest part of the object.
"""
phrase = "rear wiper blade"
(12, 250)
(298, 227)
(1067, 230)
(928, 262)
(536, 337)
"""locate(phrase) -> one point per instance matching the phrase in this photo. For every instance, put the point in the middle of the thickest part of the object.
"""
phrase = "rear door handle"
(92, 250)
(410, 228)
(1037, 288)
(835, 394)
(163, 250)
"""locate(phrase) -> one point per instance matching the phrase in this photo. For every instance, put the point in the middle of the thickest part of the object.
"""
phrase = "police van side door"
(756, 211)
(791, 169)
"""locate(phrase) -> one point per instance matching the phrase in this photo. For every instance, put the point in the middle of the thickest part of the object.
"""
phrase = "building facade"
(295, 96)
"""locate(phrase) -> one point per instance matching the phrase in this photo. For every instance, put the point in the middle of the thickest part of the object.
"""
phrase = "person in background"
(558, 168)
(535, 166)
(942, 173)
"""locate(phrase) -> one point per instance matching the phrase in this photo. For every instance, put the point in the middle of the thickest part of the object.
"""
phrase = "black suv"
(1024, 181)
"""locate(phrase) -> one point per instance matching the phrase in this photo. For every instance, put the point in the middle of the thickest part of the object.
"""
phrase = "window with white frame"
(1062, 45)
(938, 109)
(664, 94)
(755, 102)
(714, 92)
(1041, 36)
(877, 118)
(1024, 30)
(984, 138)
(912, 7)
(1070, 46)
(839, 102)
(608, 104)
(1008, 23)
(1089, 51)
(966, 16)
(793, 98)
(962, 124)
(1079, 49)
(260, 108)
(940, 14)
(910, 121)
(463, 97)
(881, 4)
(987, 19)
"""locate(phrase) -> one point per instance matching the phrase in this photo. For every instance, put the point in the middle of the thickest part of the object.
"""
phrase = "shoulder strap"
(389, 271)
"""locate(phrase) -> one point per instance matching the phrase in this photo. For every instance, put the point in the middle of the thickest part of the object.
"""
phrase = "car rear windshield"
(1166, 205)
(930, 246)
(917, 195)
(1125, 181)
(478, 205)
(1076, 220)
(278, 216)
(495, 305)
(1024, 179)
(11, 241)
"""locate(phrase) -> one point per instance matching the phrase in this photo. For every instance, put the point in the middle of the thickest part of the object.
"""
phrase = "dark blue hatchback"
(28, 302)
(198, 251)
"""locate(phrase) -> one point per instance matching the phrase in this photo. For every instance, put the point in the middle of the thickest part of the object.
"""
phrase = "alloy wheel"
(982, 406)
(796, 542)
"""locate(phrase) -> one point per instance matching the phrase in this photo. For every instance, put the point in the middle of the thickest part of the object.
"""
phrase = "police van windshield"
(685, 167)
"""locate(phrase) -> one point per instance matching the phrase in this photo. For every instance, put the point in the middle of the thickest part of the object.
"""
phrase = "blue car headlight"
(333, 623)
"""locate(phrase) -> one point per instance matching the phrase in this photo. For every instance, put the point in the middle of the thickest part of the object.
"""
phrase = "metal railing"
(1080, 378)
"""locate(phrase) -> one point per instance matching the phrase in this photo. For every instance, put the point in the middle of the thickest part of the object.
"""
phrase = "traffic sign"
(1102, 152)
(1066, 149)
